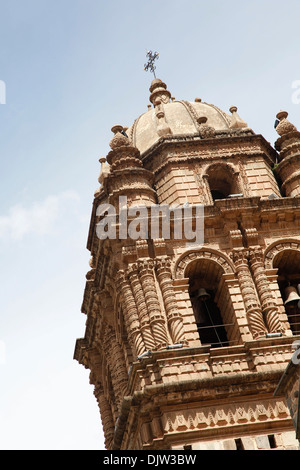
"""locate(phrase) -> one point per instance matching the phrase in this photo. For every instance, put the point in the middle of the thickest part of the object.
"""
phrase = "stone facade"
(289, 386)
(174, 369)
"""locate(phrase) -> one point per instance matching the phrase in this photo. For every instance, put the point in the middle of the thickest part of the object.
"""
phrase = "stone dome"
(168, 117)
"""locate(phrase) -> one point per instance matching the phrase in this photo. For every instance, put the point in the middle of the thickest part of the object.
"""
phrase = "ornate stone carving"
(159, 92)
(141, 305)
(205, 131)
(162, 127)
(252, 306)
(137, 293)
(156, 317)
(106, 414)
(203, 187)
(278, 247)
(212, 255)
(164, 275)
(118, 140)
(132, 321)
(284, 126)
(116, 362)
(268, 303)
(224, 416)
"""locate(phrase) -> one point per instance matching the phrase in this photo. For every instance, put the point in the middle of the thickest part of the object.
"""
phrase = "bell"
(202, 294)
(291, 295)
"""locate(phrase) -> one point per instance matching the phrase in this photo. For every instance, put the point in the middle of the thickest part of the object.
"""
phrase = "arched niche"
(284, 256)
(206, 253)
(214, 313)
(222, 181)
(287, 262)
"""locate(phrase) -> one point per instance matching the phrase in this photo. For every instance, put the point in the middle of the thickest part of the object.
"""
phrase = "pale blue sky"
(73, 69)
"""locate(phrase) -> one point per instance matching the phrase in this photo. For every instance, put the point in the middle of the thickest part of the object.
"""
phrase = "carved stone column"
(115, 360)
(207, 189)
(174, 319)
(268, 303)
(131, 316)
(156, 316)
(106, 414)
(141, 306)
(252, 306)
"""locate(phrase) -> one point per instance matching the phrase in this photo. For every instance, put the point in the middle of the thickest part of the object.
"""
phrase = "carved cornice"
(208, 391)
(193, 148)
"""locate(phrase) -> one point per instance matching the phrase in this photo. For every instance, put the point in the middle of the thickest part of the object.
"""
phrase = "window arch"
(288, 264)
(212, 304)
(222, 181)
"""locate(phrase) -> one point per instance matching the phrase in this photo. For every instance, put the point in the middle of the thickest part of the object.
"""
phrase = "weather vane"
(152, 56)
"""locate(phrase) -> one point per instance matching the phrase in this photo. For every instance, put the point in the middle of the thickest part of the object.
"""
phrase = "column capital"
(256, 254)
(146, 265)
(240, 256)
(163, 265)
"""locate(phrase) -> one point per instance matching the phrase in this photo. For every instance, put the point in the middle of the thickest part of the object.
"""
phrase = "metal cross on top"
(152, 56)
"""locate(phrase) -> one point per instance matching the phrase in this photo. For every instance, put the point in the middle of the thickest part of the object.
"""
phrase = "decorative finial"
(104, 171)
(120, 137)
(152, 56)
(282, 125)
(205, 131)
(159, 93)
(236, 121)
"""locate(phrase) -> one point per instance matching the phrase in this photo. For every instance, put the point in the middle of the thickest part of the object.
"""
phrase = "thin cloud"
(37, 219)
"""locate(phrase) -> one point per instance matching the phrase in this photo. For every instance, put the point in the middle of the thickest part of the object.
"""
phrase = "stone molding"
(205, 253)
(277, 247)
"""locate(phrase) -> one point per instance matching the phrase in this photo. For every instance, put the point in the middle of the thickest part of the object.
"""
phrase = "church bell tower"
(186, 342)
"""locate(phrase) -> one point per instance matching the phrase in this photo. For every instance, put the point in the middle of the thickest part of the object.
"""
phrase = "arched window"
(212, 304)
(288, 264)
(222, 181)
(208, 318)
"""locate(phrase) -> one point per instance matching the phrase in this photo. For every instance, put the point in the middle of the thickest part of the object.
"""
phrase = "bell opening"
(292, 295)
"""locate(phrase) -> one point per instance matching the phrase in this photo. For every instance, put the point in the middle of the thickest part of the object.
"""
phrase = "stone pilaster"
(116, 362)
(174, 319)
(106, 414)
(252, 306)
(288, 146)
(142, 310)
(268, 303)
(131, 316)
(156, 316)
